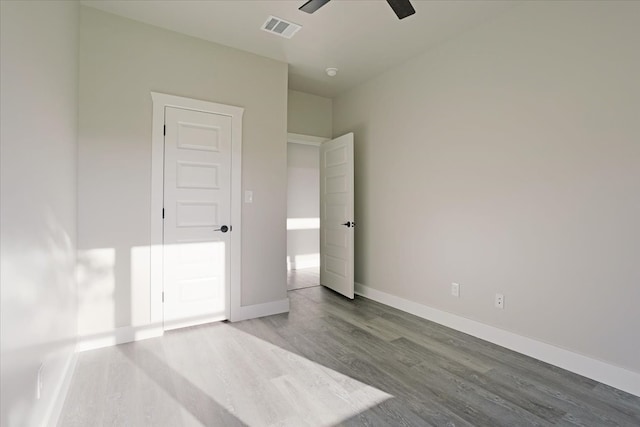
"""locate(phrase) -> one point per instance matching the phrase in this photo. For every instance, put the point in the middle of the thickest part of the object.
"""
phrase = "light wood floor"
(332, 361)
(303, 278)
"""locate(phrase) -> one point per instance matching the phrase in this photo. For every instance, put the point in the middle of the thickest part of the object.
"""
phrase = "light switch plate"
(248, 196)
(455, 290)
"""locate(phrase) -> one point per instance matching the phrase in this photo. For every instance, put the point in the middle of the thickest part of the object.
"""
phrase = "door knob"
(224, 229)
(349, 224)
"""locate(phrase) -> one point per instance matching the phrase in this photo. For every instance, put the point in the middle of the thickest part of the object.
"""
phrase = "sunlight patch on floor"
(267, 385)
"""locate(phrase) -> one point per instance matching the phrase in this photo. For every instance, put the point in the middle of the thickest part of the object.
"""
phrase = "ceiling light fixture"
(331, 72)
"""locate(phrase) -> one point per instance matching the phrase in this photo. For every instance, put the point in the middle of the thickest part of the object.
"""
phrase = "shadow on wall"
(103, 306)
(108, 302)
(38, 299)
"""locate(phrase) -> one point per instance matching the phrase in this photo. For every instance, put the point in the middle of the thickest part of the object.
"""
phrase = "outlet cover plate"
(499, 301)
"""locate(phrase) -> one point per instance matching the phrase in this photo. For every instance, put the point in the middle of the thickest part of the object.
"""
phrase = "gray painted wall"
(38, 292)
(309, 114)
(508, 160)
(121, 62)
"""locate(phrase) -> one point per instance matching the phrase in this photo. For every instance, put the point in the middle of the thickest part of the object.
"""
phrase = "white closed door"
(336, 215)
(197, 214)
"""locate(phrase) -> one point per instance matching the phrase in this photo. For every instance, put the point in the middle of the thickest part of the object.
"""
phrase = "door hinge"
(163, 213)
(164, 130)
(162, 296)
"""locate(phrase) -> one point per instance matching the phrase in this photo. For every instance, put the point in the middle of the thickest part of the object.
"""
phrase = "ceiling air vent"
(280, 27)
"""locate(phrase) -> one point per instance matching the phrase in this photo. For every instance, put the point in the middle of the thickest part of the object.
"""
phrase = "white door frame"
(298, 138)
(160, 102)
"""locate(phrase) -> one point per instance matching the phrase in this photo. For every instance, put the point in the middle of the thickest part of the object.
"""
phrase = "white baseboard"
(136, 333)
(118, 336)
(60, 394)
(603, 372)
(260, 310)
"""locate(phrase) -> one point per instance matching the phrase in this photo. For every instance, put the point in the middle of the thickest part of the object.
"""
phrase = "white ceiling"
(362, 38)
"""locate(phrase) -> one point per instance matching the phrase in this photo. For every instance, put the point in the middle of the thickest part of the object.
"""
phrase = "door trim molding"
(160, 102)
(298, 138)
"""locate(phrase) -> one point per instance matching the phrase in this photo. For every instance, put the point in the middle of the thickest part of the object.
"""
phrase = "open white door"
(197, 217)
(336, 215)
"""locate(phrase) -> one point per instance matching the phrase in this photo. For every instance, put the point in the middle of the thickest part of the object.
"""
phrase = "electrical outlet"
(499, 301)
(455, 290)
(39, 382)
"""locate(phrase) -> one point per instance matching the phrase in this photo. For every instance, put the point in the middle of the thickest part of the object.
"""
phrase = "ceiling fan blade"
(402, 8)
(313, 5)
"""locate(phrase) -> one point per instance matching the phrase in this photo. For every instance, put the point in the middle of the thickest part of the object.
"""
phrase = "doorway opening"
(303, 211)
(320, 213)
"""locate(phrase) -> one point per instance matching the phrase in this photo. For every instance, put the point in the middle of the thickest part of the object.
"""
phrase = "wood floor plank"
(154, 386)
(441, 346)
(620, 400)
(384, 374)
(122, 397)
(581, 409)
(303, 278)
(506, 393)
(84, 402)
(332, 361)
(492, 355)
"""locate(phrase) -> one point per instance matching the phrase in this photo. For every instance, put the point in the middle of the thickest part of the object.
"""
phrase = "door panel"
(197, 181)
(336, 210)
